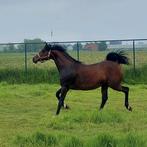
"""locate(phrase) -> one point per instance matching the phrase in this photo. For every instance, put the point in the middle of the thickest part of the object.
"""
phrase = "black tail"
(118, 56)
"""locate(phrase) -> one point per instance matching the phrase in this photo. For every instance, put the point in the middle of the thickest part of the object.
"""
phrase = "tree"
(32, 45)
(10, 48)
(20, 47)
(102, 46)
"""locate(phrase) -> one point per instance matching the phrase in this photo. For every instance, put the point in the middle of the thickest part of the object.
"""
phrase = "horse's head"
(44, 54)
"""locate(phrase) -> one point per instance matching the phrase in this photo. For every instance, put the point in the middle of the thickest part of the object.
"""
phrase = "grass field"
(27, 118)
(27, 111)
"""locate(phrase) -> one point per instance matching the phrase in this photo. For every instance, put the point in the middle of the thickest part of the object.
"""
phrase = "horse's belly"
(86, 84)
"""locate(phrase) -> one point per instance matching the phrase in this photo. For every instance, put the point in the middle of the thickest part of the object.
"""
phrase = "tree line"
(34, 45)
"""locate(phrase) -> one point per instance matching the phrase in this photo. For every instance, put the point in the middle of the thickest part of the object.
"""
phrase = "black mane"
(58, 48)
(63, 50)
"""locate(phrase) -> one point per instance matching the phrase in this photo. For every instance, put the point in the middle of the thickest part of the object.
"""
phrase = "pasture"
(27, 111)
(27, 118)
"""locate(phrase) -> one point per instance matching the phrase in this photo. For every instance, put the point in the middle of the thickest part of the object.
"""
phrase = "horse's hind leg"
(62, 95)
(126, 91)
(58, 94)
(104, 91)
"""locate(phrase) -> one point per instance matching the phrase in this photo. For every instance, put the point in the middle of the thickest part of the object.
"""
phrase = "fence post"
(26, 67)
(78, 58)
(134, 56)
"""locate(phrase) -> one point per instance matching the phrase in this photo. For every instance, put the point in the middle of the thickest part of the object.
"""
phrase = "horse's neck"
(61, 60)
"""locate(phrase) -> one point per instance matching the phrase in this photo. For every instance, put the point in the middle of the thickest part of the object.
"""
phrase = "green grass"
(27, 118)
(27, 111)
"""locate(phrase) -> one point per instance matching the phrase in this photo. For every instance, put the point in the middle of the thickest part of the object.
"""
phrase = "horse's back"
(103, 68)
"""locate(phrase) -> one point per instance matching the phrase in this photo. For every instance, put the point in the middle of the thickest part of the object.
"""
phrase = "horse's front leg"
(58, 94)
(61, 94)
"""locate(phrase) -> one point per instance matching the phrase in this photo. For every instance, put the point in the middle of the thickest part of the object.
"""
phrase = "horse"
(76, 75)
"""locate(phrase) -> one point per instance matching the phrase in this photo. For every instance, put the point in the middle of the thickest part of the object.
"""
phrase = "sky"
(72, 20)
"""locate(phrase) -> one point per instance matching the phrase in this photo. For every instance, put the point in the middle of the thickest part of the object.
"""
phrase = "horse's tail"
(118, 56)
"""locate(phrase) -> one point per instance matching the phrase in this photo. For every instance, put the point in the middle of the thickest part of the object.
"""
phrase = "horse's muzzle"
(35, 59)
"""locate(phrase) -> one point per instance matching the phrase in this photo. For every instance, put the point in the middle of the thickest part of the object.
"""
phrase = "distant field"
(27, 118)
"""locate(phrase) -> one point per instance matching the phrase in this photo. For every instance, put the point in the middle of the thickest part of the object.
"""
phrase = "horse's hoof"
(66, 106)
(57, 113)
(129, 108)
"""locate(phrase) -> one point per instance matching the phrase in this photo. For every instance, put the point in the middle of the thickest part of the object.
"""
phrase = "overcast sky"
(72, 19)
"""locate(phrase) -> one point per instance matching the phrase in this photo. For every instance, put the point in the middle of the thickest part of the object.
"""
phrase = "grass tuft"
(133, 140)
(73, 142)
(103, 140)
(37, 140)
(105, 117)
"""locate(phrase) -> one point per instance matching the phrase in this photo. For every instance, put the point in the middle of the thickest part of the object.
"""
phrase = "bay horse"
(78, 76)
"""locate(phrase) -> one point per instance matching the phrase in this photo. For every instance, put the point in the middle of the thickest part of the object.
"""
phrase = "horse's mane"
(58, 48)
(63, 50)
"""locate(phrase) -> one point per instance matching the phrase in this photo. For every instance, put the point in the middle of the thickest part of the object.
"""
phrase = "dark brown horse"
(78, 76)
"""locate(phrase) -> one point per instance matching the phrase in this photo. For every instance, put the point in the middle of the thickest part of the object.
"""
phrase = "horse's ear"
(49, 45)
(46, 44)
